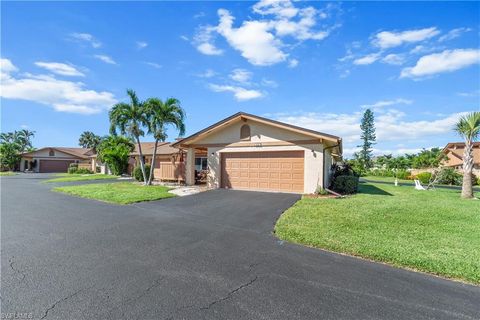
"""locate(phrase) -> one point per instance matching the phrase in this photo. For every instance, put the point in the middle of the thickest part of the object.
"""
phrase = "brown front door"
(54, 165)
(268, 171)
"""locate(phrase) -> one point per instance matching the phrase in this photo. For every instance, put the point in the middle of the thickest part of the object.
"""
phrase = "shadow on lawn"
(370, 189)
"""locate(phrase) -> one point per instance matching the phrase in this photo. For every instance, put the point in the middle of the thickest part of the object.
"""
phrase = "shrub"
(84, 171)
(449, 176)
(410, 177)
(321, 191)
(478, 181)
(137, 172)
(345, 184)
(73, 165)
(72, 170)
(424, 177)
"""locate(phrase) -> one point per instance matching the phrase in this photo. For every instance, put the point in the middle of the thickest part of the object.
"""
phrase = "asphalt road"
(206, 256)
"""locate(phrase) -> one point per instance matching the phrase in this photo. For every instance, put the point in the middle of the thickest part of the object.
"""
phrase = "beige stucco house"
(249, 152)
(454, 156)
(55, 159)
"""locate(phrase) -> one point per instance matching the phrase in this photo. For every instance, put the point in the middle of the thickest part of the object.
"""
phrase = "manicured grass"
(7, 173)
(121, 192)
(431, 231)
(65, 177)
(386, 179)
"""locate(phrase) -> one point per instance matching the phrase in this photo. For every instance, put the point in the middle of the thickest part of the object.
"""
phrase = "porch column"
(190, 167)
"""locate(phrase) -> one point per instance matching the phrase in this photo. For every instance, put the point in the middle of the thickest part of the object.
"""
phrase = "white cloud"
(293, 63)
(474, 93)
(209, 73)
(454, 33)
(240, 94)
(141, 45)
(269, 83)
(86, 37)
(203, 40)
(385, 103)
(390, 39)
(446, 61)
(394, 59)
(104, 58)
(24, 126)
(6, 66)
(153, 64)
(60, 68)
(368, 59)
(61, 95)
(241, 76)
(261, 41)
(185, 38)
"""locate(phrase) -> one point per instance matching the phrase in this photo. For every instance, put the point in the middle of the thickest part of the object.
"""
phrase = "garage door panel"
(270, 171)
(54, 165)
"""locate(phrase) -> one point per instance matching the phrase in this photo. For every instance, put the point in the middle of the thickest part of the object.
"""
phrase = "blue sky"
(313, 64)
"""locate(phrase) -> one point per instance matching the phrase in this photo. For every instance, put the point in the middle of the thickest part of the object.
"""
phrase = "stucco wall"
(43, 155)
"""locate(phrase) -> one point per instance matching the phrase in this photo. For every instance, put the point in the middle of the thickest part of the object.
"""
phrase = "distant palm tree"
(469, 128)
(160, 115)
(130, 118)
(89, 139)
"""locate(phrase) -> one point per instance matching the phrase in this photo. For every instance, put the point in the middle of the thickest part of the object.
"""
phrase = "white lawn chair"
(418, 185)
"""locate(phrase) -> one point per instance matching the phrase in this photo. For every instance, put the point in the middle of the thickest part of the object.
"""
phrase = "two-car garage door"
(269, 171)
(54, 165)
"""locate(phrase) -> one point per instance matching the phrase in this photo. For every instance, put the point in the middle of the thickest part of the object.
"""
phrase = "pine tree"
(368, 137)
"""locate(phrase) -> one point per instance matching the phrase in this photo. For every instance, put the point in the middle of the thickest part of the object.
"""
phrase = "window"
(51, 153)
(201, 164)
(245, 132)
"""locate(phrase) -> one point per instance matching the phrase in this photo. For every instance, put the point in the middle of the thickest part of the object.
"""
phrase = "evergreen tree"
(368, 137)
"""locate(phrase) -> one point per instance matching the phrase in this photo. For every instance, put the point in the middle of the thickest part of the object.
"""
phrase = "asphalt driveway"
(206, 256)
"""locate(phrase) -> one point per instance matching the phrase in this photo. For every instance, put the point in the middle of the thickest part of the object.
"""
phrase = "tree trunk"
(142, 163)
(467, 187)
(153, 163)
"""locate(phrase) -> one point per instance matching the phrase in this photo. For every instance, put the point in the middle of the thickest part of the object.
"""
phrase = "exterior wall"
(312, 166)
(43, 155)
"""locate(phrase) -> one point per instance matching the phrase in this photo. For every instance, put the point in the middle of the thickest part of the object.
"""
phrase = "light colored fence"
(85, 165)
(170, 171)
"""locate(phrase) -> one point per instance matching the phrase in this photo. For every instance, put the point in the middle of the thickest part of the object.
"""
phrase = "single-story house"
(55, 159)
(249, 152)
(454, 156)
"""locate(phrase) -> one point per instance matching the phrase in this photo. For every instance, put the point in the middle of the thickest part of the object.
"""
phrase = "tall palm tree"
(130, 118)
(160, 115)
(89, 139)
(469, 128)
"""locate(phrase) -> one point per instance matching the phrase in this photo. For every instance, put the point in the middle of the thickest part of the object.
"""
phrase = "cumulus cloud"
(104, 58)
(141, 44)
(446, 61)
(454, 33)
(240, 94)
(368, 59)
(394, 59)
(263, 41)
(153, 64)
(61, 95)
(390, 39)
(86, 38)
(293, 63)
(241, 75)
(60, 68)
(385, 103)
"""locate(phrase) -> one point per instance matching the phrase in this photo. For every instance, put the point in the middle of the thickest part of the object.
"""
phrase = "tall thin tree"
(161, 114)
(469, 128)
(368, 138)
(130, 119)
(89, 139)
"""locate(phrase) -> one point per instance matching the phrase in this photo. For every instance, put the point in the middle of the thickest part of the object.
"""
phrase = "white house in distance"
(249, 152)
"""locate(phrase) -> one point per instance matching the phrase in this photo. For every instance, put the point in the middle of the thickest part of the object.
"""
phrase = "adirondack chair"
(418, 185)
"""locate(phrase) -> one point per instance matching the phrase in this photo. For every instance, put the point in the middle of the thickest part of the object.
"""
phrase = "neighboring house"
(55, 159)
(454, 152)
(248, 152)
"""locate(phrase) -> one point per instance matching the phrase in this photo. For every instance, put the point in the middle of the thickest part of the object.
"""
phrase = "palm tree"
(160, 115)
(130, 118)
(89, 139)
(469, 128)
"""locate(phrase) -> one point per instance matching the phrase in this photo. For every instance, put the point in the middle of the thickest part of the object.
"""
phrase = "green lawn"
(66, 177)
(120, 192)
(431, 231)
(386, 179)
(7, 173)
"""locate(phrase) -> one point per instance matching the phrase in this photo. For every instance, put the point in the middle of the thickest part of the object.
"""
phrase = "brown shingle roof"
(82, 153)
(162, 148)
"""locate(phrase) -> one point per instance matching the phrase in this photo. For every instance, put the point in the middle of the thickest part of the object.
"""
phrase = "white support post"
(190, 167)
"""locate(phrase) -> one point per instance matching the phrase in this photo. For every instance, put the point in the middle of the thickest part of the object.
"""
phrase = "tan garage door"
(54, 165)
(269, 171)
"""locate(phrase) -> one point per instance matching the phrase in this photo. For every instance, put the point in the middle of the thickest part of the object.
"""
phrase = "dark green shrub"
(72, 170)
(84, 171)
(450, 176)
(403, 174)
(137, 172)
(478, 181)
(73, 165)
(424, 177)
(345, 184)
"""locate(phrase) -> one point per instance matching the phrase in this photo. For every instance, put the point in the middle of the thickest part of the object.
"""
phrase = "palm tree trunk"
(153, 163)
(467, 188)
(142, 163)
